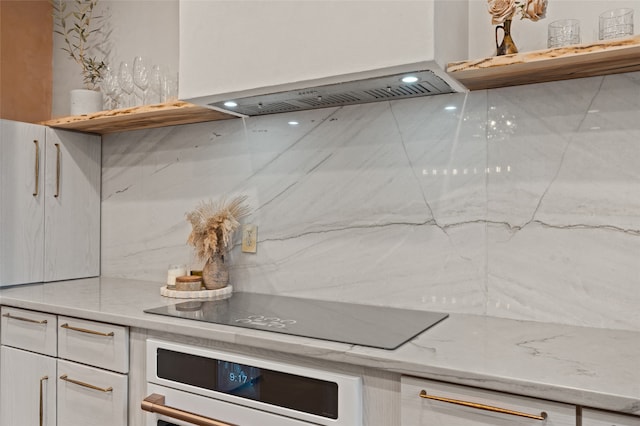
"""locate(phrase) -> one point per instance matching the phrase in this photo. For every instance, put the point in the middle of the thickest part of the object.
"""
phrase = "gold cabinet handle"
(8, 315)
(542, 416)
(57, 194)
(154, 403)
(37, 169)
(42, 379)
(85, 385)
(85, 330)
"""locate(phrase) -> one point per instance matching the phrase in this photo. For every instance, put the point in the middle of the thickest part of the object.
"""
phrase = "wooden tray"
(222, 293)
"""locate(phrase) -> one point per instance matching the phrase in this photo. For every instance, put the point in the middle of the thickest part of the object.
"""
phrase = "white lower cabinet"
(98, 344)
(444, 404)
(42, 385)
(90, 396)
(591, 417)
(29, 330)
(27, 388)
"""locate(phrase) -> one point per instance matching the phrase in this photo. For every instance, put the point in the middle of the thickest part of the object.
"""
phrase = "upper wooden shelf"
(582, 60)
(142, 117)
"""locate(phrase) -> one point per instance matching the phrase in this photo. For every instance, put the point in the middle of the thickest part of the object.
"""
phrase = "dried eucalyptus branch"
(78, 26)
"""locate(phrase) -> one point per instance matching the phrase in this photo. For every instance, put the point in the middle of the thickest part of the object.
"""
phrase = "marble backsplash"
(521, 202)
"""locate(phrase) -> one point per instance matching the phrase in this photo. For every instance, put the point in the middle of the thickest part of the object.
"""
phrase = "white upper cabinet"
(22, 148)
(49, 204)
(246, 48)
(72, 206)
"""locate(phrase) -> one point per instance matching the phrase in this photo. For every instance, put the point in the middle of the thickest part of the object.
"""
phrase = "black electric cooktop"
(374, 326)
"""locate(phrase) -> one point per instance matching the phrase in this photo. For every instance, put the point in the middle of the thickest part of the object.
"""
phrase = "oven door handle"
(154, 403)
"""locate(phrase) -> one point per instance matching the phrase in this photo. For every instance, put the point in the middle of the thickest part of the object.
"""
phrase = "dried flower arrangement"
(502, 10)
(213, 225)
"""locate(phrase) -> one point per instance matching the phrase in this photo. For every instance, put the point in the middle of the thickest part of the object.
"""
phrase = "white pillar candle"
(175, 271)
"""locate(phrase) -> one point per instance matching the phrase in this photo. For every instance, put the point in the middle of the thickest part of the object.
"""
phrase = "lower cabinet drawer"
(94, 343)
(90, 396)
(592, 417)
(29, 330)
(455, 405)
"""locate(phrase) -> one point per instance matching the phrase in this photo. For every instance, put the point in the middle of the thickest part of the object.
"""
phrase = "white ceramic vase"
(84, 101)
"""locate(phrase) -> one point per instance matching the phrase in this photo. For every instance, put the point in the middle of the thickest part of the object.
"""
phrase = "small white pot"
(84, 101)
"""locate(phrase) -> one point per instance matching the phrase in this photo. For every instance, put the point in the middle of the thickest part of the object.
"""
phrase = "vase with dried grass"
(213, 225)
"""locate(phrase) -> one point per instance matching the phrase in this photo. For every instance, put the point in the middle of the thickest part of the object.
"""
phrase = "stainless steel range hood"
(390, 87)
(272, 57)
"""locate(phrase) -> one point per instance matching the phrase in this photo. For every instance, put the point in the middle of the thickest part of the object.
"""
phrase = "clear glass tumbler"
(616, 23)
(563, 32)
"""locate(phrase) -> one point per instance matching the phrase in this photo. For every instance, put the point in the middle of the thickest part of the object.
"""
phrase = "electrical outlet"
(249, 238)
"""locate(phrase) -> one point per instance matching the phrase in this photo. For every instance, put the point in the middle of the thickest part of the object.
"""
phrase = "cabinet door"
(603, 418)
(90, 396)
(22, 148)
(418, 411)
(72, 207)
(27, 389)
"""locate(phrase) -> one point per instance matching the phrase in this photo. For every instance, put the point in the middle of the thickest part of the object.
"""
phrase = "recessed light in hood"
(409, 79)
(333, 95)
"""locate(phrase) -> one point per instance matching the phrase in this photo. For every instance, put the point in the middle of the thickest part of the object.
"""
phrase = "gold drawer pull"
(7, 315)
(154, 403)
(37, 169)
(57, 194)
(84, 330)
(41, 411)
(542, 416)
(85, 385)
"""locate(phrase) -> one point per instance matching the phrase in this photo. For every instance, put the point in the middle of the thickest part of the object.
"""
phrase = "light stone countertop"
(591, 367)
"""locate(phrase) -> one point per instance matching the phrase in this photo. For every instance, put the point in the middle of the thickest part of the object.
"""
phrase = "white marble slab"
(522, 202)
(341, 206)
(564, 240)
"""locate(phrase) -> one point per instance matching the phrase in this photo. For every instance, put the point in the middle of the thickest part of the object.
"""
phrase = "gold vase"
(215, 274)
(507, 46)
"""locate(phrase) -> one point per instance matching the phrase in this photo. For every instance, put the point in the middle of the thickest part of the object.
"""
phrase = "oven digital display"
(238, 379)
(306, 394)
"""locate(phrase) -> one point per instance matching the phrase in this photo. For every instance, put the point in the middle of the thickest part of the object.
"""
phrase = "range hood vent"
(376, 89)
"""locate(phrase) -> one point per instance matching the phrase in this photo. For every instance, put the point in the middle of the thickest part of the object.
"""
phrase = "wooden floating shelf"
(142, 117)
(582, 60)
(563, 63)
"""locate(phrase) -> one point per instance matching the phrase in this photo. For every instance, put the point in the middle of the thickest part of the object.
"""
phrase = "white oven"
(189, 385)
